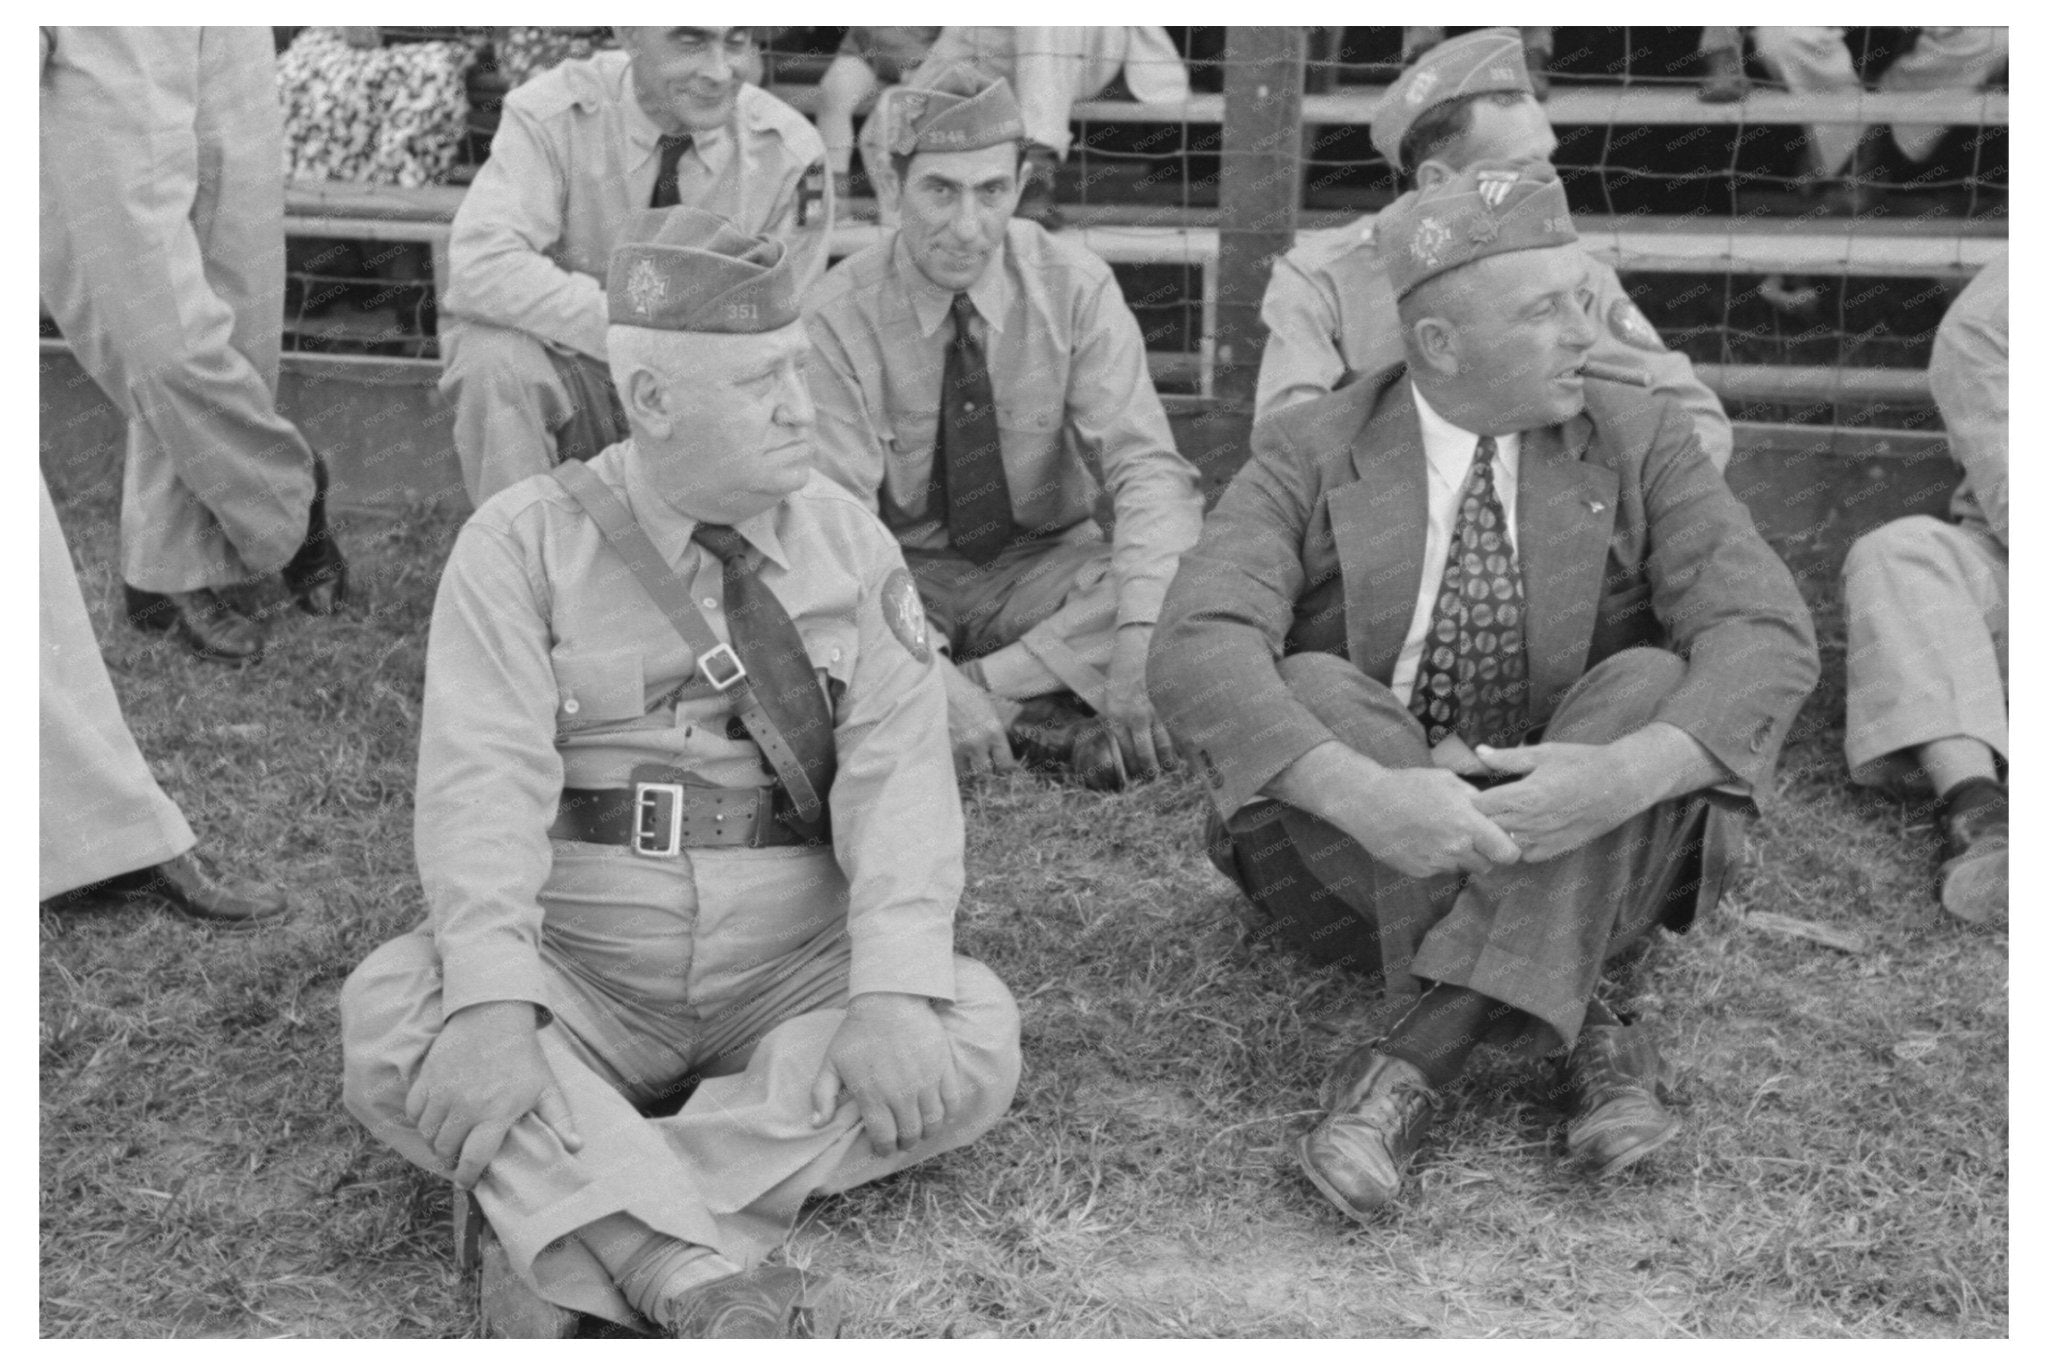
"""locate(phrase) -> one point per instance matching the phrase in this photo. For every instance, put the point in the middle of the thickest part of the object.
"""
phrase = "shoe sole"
(1329, 1191)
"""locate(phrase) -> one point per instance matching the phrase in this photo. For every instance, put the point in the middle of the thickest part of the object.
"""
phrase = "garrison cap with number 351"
(684, 270)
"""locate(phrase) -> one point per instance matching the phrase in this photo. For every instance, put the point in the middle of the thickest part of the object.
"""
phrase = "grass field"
(1843, 1169)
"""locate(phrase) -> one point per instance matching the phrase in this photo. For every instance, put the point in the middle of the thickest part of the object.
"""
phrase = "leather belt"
(667, 810)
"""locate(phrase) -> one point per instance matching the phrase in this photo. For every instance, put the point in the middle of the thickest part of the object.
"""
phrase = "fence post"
(1258, 198)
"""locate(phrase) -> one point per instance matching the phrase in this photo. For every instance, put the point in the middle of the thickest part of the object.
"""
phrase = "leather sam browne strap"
(715, 659)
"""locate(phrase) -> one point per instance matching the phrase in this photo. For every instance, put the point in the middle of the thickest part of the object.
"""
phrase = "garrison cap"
(958, 110)
(1470, 64)
(1485, 210)
(684, 270)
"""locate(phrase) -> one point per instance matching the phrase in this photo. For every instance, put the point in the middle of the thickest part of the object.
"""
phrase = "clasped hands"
(485, 1072)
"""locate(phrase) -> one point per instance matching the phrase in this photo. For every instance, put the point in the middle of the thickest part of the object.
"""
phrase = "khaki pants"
(730, 1170)
(1926, 607)
(1054, 599)
(102, 813)
(521, 406)
(1532, 935)
(163, 265)
(1816, 59)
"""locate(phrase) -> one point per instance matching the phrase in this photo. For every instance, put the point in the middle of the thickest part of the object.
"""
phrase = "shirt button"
(572, 706)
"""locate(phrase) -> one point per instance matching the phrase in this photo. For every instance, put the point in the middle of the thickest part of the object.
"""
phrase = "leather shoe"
(775, 1301)
(1380, 1110)
(318, 574)
(207, 622)
(192, 888)
(1616, 1119)
(1974, 849)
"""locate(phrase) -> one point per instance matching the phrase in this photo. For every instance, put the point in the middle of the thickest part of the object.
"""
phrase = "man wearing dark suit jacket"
(1471, 654)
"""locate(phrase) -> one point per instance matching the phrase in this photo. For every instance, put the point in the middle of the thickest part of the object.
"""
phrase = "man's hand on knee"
(891, 1055)
(483, 1074)
(981, 740)
(1129, 710)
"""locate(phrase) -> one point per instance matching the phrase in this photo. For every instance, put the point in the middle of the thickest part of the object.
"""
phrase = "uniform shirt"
(548, 665)
(575, 156)
(1449, 451)
(1074, 401)
(1330, 316)
(1968, 374)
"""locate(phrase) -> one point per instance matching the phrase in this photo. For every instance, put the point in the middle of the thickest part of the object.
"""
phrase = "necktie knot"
(724, 542)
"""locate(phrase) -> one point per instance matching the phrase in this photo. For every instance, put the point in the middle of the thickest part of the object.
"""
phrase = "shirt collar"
(712, 147)
(670, 529)
(990, 294)
(1450, 448)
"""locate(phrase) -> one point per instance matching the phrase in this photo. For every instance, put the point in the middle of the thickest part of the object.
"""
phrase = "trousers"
(522, 406)
(1810, 59)
(1532, 935)
(1040, 617)
(162, 262)
(1926, 606)
(101, 813)
(730, 1169)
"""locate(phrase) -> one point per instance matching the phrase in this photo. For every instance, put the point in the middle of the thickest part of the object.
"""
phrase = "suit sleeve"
(1214, 671)
(499, 270)
(489, 776)
(1113, 408)
(1301, 359)
(896, 819)
(1729, 607)
(1626, 338)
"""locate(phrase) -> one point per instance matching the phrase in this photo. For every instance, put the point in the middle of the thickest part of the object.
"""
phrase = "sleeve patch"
(1628, 324)
(904, 611)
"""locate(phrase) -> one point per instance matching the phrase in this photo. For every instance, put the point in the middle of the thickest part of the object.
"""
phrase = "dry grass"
(1843, 1170)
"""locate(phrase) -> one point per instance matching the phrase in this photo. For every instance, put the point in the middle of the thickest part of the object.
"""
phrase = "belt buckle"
(658, 817)
(717, 659)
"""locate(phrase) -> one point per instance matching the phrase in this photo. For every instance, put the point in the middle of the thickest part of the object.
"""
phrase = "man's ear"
(1436, 342)
(646, 399)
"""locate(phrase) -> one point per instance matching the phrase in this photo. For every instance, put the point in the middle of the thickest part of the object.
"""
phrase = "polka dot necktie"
(1473, 678)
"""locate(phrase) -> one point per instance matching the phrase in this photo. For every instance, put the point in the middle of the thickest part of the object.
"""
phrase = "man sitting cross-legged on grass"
(685, 809)
(1461, 654)
(979, 382)
(1925, 601)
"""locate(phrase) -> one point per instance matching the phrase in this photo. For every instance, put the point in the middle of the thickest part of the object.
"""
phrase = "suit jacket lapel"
(1564, 517)
(1378, 522)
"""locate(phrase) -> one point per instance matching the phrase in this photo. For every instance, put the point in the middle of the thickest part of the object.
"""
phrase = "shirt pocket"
(597, 687)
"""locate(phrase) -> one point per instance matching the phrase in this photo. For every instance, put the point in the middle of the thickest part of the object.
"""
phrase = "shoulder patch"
(903, 609)
(1629, 325)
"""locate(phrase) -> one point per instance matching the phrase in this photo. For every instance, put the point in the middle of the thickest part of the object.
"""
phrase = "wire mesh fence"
(1748, 254)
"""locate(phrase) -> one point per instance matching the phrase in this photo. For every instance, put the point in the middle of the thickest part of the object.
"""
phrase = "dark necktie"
(1473, 675)
(968, 471)
(773, 654)
(673, 145)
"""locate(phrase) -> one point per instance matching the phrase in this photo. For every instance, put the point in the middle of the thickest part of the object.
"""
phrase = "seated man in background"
(1329, 310)
(1926, 606)
(667, 120)
(660, 843)
(980, 382)
(1460, 654)
(1051, 69)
